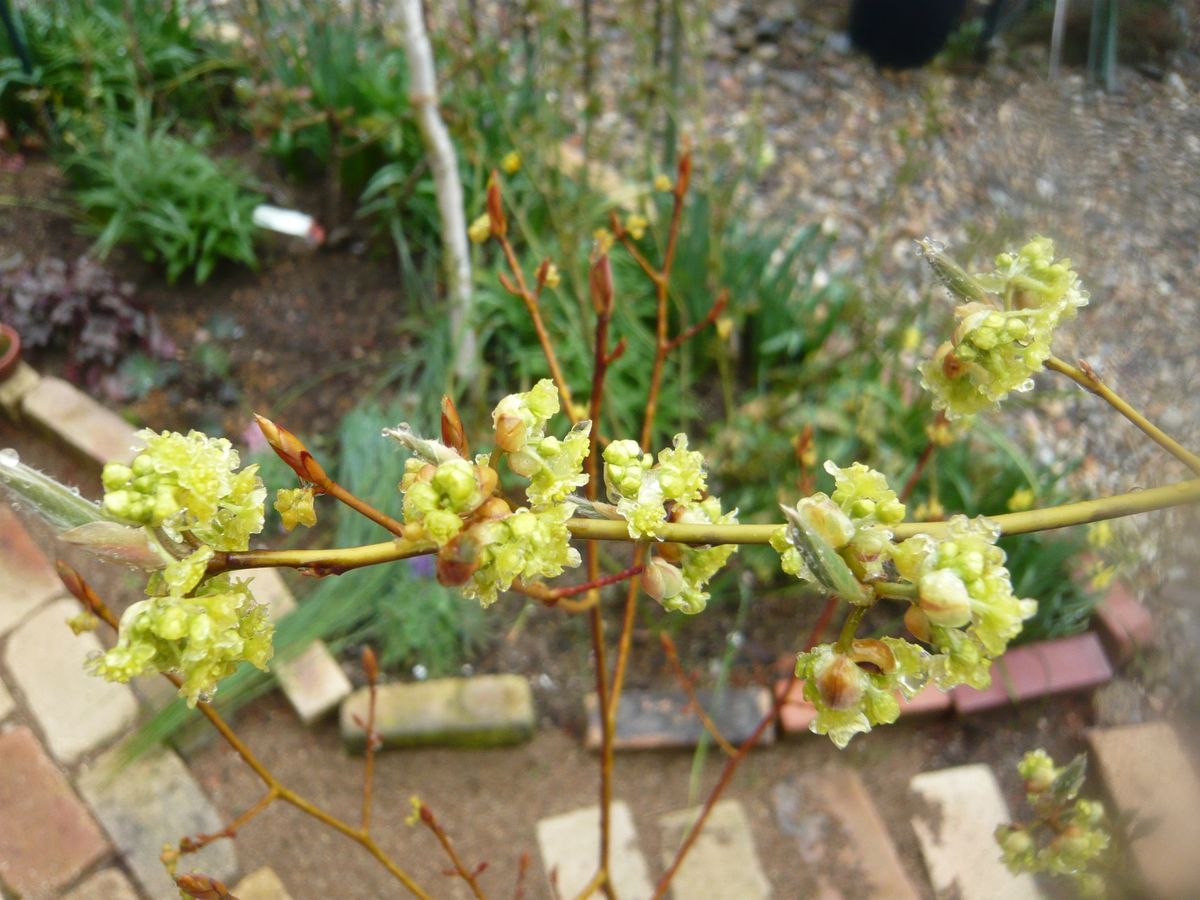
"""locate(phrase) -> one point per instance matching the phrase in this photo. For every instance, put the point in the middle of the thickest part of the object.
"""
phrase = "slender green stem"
(893, 590)
(341, 559)
(1087, 379)
(846, 639)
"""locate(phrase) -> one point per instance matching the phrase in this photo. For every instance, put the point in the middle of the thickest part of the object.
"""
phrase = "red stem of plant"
(681, 676)
(603, 581)
(431, 822)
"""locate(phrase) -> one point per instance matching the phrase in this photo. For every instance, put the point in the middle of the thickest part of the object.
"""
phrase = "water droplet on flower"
(1025, 386)
(9, 457)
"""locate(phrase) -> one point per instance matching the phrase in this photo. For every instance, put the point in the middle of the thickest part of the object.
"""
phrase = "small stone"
(27, 580)
(964, 806)
(653, 720)
(722, 862)
(485, 711)
(153, 801)
(840, 833)
(76, 420)
(1120, 702)
(570, 847)
(1150, 778)
(76, 711)
(313, 682)
(109, 884)
(47, 836)
(261, 884)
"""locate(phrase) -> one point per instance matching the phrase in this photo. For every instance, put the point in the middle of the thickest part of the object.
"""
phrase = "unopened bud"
(454, 568)
(453, 434)
(510, 433)
(661, 580)
(944, 599)
(840, 683)
(495, 207)
(951, 274)
(292, 451)
(600, 283)
(370, 665)
(201, 887)
(917, 623)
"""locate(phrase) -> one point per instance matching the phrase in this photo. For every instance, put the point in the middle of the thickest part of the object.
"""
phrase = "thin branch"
(336, 560)
(200, 841)
(690, 332)
(92, 602)
(681, 676)
(430, 821)
(1085, 376)
(371, 666)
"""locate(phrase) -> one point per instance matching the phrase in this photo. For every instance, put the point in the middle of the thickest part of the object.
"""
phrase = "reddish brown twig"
(554, 596)
(84, 593)
(692, 330)
(522, 868)
(681, 676)
(292, 451)
(371, 667)
(429, 820)
(200, 841)
(203, 888)
(521, 290)
(922, 461)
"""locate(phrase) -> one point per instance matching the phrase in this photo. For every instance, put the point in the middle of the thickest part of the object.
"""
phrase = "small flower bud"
(495, 207)
(917, 623)
(944, 599)
(662, 182)
(510, 433)
(291, 450)
(453, 434)
(511, 163)
(661, 580)
(600, 283)
(480, 230)
(840, 682)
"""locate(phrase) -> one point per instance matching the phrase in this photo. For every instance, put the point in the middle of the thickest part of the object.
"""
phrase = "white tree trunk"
(443, 162)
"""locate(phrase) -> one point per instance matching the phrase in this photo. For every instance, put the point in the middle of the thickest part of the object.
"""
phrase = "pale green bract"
(202, 637)
(188, 484)
(1005, 329)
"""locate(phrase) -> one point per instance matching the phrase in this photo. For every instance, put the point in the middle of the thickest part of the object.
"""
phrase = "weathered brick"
(722, 862)
(153, 801)
(76, 711)
(313, 682)
(486, 711)
(1039, 670)
(1123, 623)
(109, 884)
(963, 807)
(840, 834)
(27, 579)
(75, 419)
(570, 848)
(261, 884)
(46, 835)
(13, 389)
(1149, 776)
(654, 720)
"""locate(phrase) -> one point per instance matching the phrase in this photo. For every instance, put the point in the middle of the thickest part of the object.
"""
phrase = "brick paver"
(839, 830)
(1039, 670)
(963, 806)
(570, 847)
(485, 711)
(722, 862)
(1149, 777)
(151, 802)
(27, 578)
(76, 420)
(109, 884)
(76, 711)
(261, 884)
(47, 836)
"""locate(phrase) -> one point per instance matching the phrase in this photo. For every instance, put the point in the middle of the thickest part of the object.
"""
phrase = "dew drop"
(9, 457)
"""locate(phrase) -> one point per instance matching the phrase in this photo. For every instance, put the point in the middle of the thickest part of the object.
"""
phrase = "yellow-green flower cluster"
(681, 588)
(1005, 329)
(965, 604)
(855, 689)
(839, 541)
(295, 507)
(527, 544)
(640, 488)
(438, 497)
(1064, 838)
(202, 637)
(188, 483)
(554, 467)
